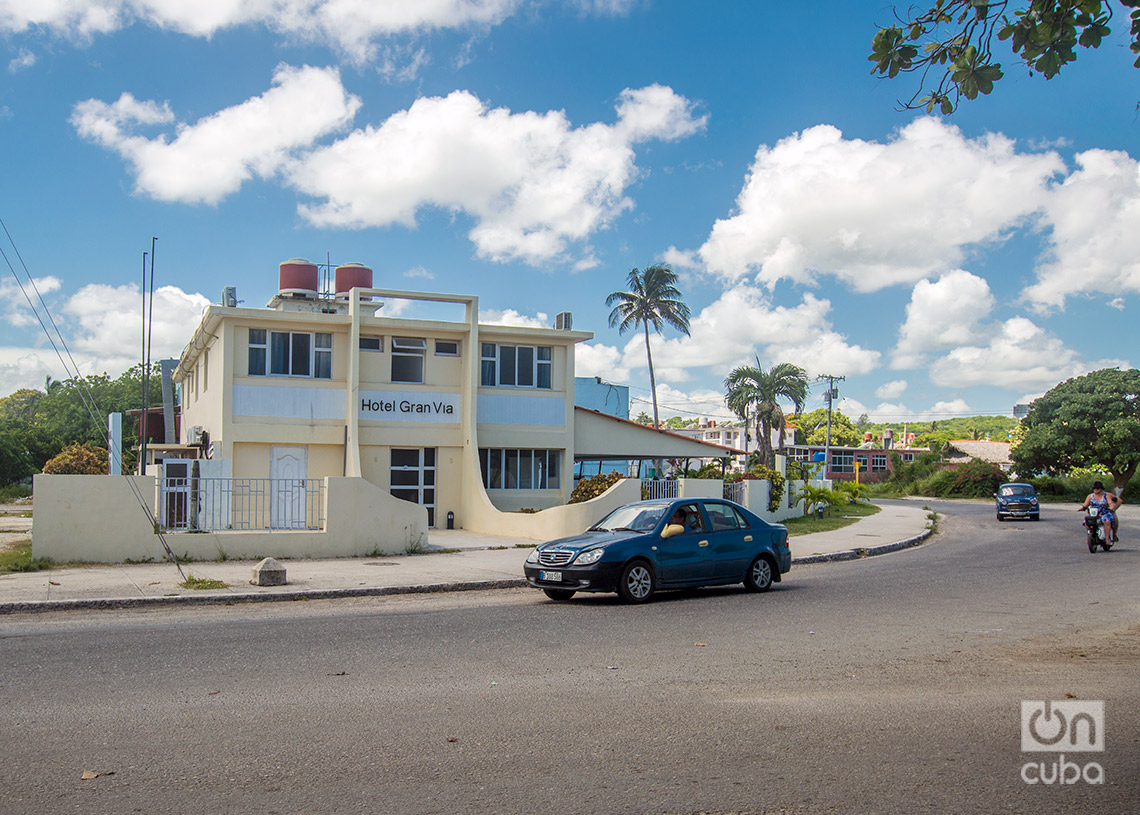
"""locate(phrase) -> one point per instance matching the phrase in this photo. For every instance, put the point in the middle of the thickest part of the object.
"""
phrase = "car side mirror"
(672, 529)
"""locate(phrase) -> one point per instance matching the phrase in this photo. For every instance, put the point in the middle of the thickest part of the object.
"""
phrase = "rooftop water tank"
(299, 277)
(351, 276)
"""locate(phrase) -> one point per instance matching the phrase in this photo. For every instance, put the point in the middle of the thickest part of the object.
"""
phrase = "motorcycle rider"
(1106, 504)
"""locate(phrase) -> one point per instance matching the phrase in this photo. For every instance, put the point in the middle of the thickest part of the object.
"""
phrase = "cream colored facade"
(355, 412)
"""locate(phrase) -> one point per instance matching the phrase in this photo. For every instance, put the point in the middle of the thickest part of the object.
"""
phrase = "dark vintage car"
(1017, 501)
(649, 545)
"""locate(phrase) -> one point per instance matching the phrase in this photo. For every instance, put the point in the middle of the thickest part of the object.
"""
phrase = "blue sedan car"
(649, 545)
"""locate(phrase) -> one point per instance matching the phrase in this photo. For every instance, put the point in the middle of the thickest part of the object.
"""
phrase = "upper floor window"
(408, 359)
(371, 343)
(290, 353)
(517, 366)
(446, 348)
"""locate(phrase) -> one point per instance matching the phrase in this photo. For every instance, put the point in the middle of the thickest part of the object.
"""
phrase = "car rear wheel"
(759, 575)
(558, 594)
(637, 582)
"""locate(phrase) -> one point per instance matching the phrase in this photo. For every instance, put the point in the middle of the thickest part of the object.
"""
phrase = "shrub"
(977, 479)
(588, 488)
(78, 459)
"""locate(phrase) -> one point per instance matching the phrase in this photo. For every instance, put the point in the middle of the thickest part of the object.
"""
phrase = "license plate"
(552, 577)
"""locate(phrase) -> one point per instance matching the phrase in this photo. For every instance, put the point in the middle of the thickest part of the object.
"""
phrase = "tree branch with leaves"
(950, 44)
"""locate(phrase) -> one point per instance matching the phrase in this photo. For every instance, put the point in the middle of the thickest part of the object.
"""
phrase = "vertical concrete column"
(352, 467)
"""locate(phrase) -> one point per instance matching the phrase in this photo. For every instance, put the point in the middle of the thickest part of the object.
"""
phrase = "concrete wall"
(700, 488)
(74, 514)
(480, 515)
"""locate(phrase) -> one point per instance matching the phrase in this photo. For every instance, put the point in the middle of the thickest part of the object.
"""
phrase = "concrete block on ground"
(268, 573)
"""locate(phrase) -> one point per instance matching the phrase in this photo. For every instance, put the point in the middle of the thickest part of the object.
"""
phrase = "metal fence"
(216, 504)
(736, 492)
(652, 489)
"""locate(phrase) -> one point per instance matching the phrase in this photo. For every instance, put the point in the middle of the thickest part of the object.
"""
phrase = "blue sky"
(532, 153)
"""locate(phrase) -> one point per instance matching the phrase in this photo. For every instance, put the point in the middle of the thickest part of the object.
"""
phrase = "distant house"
(993, 452)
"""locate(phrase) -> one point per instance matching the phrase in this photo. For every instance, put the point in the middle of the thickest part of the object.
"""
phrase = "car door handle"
(747, 538)
(703, 543)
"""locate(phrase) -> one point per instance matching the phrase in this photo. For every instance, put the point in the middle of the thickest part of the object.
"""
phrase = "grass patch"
(17, 557)
(200, 583)
(836, 517)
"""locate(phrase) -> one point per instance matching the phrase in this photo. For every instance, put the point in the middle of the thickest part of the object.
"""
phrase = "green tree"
(754, 392)
(950, 43)
(813, 426)
(644, 418)
(1088, 421)
(653, 300)
(78, 459)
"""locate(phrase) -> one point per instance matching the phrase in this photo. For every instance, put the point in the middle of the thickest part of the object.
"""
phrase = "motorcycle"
(1098, 532)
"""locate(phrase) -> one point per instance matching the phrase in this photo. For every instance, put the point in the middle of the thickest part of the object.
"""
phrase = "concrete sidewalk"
(468, 561)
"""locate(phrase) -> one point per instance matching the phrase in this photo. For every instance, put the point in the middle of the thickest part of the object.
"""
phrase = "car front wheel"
(759, 575)
(637, 582)
(558, 594)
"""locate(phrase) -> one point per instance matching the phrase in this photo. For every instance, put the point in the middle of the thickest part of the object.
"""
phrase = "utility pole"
(831, 395)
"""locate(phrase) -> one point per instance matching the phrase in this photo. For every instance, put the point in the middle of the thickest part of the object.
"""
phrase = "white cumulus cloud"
(891, 390)
(211, 158)
(532, 182)
(1095, 241)
(1020, 355)
(942, 314)
(352, 26)
(875, 214)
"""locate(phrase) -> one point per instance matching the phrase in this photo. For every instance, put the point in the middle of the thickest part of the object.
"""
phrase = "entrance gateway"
(412, 477)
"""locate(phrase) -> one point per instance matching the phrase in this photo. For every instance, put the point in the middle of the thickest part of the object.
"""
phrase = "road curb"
(375, 591)
(251, 597)
(860, 553)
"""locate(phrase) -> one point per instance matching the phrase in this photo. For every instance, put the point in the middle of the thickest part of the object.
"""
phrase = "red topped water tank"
(353, 276)
(299, 276)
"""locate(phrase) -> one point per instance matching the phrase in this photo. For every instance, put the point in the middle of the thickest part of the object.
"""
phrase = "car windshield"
(1016, 489)
(634, 517)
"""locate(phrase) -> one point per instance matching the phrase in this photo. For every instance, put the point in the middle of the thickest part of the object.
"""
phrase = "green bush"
(588, 488)
(977, 479)
(78, 459)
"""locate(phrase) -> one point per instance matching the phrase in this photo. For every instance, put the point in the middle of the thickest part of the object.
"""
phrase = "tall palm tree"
(754, 392)
(654, 300)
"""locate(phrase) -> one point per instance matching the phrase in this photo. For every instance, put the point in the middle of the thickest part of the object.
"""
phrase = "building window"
(842, 461)
(257, 348)
(520, 469)
(516, 366)
(878, 462)
(322, 356)
(371, 343)
(290, 353)
(446, 348)
(408, 359)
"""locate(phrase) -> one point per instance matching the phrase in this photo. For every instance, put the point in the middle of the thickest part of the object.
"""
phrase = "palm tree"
(756, 392)
(652, 300)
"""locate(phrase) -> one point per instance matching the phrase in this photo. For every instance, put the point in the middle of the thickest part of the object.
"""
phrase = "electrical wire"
(71, 368)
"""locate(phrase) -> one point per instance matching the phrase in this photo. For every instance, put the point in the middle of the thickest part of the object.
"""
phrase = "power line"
(72, 370)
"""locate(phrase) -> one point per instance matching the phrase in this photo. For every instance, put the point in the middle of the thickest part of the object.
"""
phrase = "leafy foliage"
(977, 479)
(653, 300)
(956, 38)
(755, 393)
(1088, 421)
(36, 425)
(813, 427)
(594, 486)
(816, 497)
(773, 477)
(78, 459)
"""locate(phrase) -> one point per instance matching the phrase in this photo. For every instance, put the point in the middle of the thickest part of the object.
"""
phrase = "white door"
(288, 469)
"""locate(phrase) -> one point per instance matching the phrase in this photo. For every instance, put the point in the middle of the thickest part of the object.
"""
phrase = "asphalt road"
(887, 685)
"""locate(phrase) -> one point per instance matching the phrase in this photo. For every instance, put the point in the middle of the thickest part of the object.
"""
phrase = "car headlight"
(1033, 502)
(533, 556)
(591, 556)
